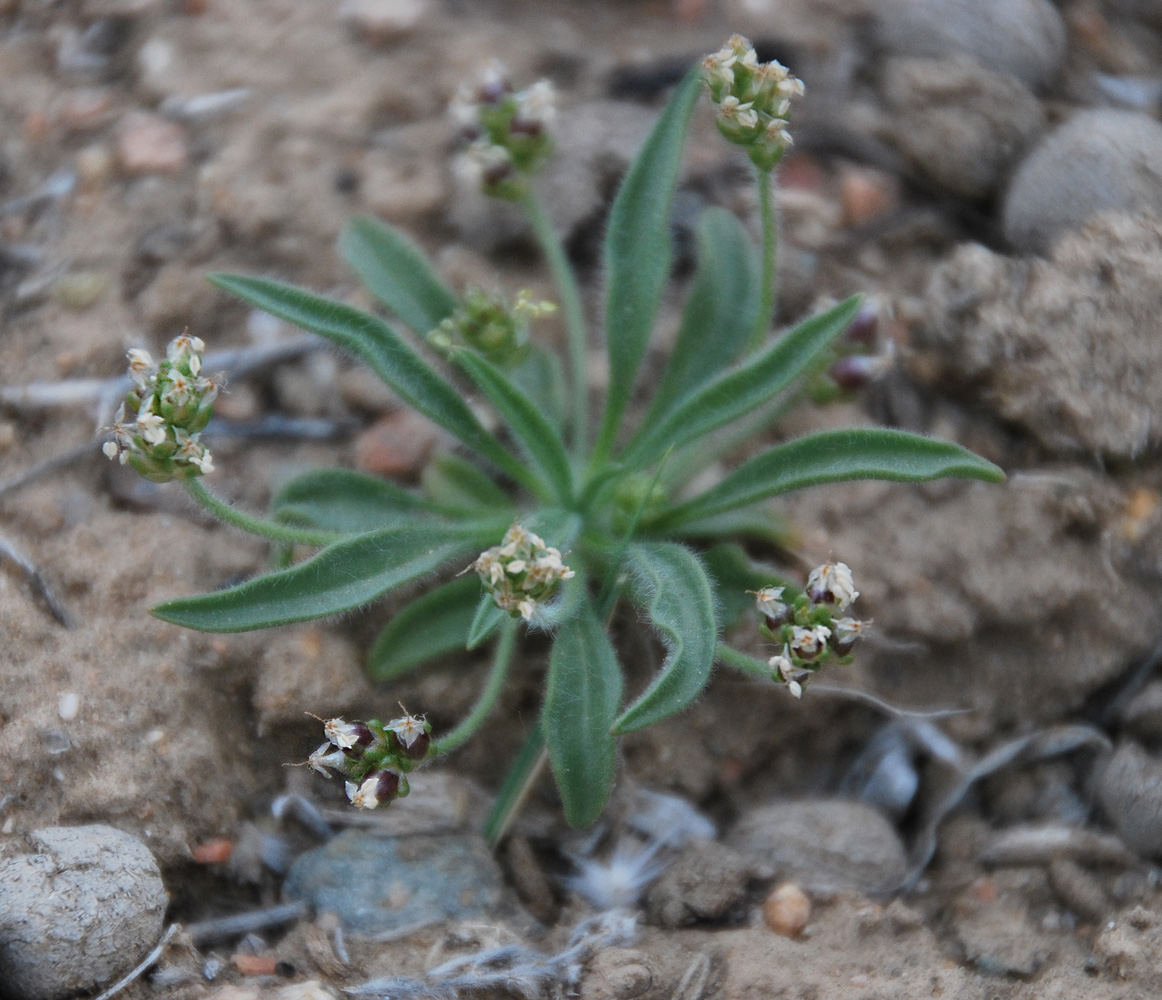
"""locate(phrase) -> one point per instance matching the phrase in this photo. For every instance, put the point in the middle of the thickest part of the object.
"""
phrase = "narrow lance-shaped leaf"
(736, 393)
(342, 576)
(541, 377)
(376, 343)
(430, 626)
(398, 273)
(719, 315)
(831, 457)
(347, 501)
(638, 250)
(582, 695)
(485, 620)
(453, 483)
(535, 434)
(669, 583)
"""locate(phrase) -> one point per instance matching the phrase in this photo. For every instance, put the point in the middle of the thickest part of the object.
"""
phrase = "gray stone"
(78, 911)
(958, 123)
(1098, 161)
(825, 845)
(1025, 38)
(377, 884)
(705, 882)
(1130, 792)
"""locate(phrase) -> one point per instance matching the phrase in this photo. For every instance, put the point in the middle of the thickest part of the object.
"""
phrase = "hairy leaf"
(430, 626)
(346, 501)
(669, 583)
(485, 620)
(535, 434)
(582, 695)
(638, 249)
(719, 315)
(342, 576)
(376, 343)
(541, 377)
(455, 484)
(832, 457)
(736, 393)
(398, 273)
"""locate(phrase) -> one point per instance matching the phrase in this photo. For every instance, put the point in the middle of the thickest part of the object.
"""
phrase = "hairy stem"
(223, 510)
(766, 312)
(501, 660)
(574, 315)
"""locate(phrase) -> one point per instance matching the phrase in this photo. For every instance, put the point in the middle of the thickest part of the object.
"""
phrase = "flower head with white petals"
(522, 572)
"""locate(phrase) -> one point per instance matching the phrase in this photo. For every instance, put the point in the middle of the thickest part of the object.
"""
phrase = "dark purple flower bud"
(855, 371)
(865, 326)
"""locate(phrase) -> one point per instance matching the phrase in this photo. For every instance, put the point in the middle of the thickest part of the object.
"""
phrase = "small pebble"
(68, 705)
(397, 445)
(867, 194)
(1130, 792)
(787, 910)
(7, 436)
(860, 981)
(79, 290)
(381, 22)
(149, 144)
(94, 166)
(213, 852)
(254, 965)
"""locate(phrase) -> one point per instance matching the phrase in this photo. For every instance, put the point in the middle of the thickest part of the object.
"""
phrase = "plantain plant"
(564, 521)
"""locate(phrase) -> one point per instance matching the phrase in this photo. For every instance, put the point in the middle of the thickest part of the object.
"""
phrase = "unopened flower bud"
(785, 670)
(832, 583)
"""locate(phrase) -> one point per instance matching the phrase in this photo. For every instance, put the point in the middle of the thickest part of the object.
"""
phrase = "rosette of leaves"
(613, 501)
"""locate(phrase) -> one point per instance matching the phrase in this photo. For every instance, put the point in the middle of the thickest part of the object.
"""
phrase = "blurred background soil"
(989, 172)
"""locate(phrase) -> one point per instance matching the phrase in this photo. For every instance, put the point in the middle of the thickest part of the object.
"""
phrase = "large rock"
(76, 914)
(377, 884)
(1098, 161)
(1025, 38)
(960, 124)
(1069, 348)
(829, 845)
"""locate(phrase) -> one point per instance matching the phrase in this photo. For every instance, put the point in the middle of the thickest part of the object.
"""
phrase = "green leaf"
(720, 311)
(398, 273)
(736, 393)
(485, 621)
(430, 626)
(541, 377)
(734, 574)
(582, 695)
(457, 485)
(760, 523)
(638, 249)
(556, 525)
(537, 438)
(342, 576)
(376, 343)
(832, 457)
(669, 583)
(347, 501)
(520, 777)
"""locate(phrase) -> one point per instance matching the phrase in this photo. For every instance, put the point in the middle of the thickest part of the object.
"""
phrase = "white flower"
(140, 365)
(204, 462)
(408, 728)
(769, 601)
(324, 758)
(809, 643)
(847, 630)
(110, 449)
(527, 608)
(365, 796)
(150, 425)
(538, 104)
(832, 583)
(741, 112)
(788, 673)
(343, 734)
